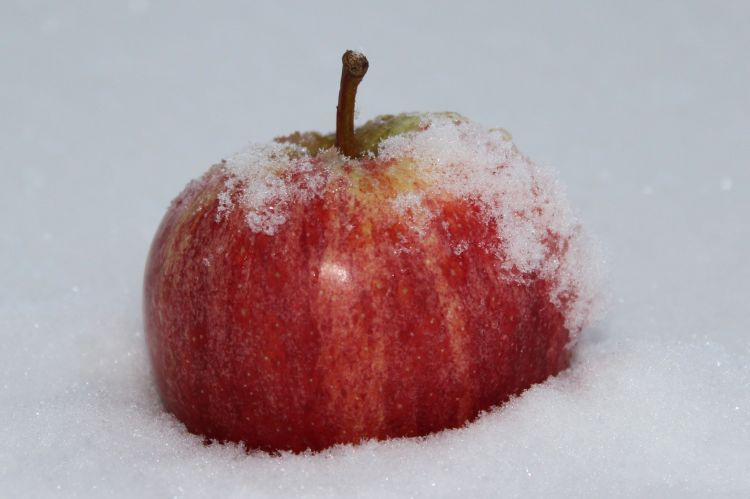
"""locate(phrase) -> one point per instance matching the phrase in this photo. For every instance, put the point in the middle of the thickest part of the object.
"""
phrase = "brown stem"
(354, 68)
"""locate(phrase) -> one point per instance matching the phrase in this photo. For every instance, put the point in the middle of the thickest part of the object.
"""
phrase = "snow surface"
(109, 108)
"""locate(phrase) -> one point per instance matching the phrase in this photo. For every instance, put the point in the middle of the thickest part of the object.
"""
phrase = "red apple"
(386, 282)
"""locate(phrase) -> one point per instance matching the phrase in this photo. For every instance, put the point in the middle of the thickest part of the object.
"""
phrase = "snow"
(263, 172)
(108, 110)
(522, 200)
(454, 157)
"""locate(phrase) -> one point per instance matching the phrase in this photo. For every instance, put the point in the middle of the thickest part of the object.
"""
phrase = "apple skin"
(345, 324)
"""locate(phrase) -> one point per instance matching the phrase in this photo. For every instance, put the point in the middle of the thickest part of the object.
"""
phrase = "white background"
(107, 109)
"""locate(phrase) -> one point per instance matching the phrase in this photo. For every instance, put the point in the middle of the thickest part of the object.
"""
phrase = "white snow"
(108, 110)
(453, 157)
(521, 199)
(264, 172)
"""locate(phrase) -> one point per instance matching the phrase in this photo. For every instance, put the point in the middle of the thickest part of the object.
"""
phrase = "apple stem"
(353, 70)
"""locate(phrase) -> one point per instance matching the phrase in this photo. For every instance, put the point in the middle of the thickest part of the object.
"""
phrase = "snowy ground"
(108, 108)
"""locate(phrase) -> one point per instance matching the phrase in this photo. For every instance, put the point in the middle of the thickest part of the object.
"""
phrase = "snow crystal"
(409, 205)
(460, 247)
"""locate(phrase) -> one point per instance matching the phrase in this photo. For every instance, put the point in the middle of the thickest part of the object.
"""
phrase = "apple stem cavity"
(354, 67)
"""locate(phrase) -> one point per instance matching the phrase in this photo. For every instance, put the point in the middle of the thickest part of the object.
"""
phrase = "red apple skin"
(326, 333)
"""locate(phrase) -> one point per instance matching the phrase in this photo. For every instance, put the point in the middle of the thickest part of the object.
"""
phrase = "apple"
(389, 281)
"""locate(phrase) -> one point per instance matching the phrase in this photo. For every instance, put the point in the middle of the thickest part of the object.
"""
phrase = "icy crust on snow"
(451, 156)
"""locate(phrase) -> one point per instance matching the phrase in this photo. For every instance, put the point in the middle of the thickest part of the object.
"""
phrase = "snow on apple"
(427, 274)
